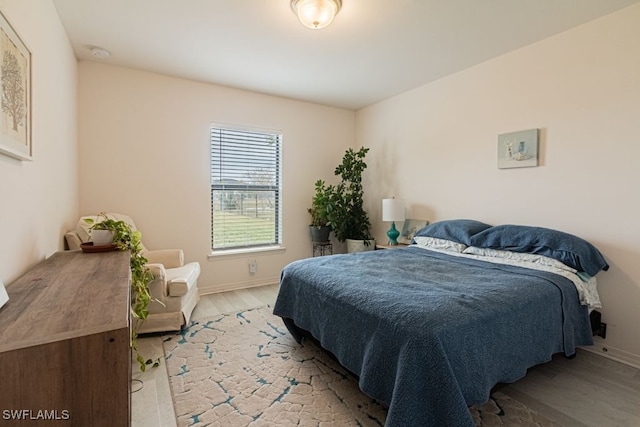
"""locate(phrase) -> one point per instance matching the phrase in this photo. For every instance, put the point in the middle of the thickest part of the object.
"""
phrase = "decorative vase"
(101, 237)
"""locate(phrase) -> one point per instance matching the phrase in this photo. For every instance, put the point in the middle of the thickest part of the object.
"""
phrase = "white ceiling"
(374, 49)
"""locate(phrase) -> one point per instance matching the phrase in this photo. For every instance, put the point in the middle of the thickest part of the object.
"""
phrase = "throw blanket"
(428, 333)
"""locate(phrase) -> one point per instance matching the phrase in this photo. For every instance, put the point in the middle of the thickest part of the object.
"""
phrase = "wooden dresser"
(65, 355)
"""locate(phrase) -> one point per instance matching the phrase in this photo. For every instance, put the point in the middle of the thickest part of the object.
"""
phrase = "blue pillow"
(566, 248)
(456, 230)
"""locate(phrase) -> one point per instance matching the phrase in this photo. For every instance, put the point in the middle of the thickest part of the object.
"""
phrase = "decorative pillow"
(442, 244)
(564, 247)
(83, 229)
(456, 230)
(519, 256)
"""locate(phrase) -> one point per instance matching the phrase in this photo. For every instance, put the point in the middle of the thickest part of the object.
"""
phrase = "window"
(245, 188)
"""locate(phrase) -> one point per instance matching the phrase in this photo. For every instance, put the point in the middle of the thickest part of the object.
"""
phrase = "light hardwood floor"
(588, 390)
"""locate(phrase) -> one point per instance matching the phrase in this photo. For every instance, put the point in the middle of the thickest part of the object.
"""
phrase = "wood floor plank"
(558, 417)
(591, 404)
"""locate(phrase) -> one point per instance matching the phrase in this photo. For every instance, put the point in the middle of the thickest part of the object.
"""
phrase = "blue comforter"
(428, 333)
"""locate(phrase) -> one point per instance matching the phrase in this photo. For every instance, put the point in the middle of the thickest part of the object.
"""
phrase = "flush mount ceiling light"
(316, 14)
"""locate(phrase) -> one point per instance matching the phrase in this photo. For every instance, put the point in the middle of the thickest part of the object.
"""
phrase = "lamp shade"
(316, 14)
(392, 210)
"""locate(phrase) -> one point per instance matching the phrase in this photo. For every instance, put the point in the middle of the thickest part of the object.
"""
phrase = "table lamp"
(392, 210)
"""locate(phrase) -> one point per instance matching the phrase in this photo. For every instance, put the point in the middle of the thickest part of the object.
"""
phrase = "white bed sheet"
(587, 290)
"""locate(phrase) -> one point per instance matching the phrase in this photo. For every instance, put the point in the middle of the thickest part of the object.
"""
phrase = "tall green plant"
(127, 239)
(348, 218)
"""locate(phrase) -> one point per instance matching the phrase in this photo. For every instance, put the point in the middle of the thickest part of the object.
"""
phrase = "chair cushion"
(180, 280)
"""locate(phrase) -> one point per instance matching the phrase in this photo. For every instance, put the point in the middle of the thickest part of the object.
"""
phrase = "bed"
(431, 328)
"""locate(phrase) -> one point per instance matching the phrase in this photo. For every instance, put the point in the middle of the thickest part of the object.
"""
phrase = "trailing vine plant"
(127, 239)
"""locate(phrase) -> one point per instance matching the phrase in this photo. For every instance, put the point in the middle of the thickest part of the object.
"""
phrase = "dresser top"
(71, 294)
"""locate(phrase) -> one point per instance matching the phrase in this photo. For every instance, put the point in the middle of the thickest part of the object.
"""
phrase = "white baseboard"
(614, 353)
(214, 289)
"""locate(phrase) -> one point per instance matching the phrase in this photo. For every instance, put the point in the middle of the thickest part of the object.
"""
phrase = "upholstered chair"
(174, 290)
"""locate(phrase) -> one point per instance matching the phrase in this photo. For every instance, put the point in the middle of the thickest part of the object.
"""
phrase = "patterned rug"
(245, 369)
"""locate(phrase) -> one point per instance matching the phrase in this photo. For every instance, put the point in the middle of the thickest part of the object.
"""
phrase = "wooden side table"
(398, 246)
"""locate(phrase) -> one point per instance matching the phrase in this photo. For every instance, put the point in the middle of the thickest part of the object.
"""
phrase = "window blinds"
(245, 188)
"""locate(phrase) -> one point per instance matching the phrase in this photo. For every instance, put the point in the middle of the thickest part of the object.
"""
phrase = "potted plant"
(348, 218)
(321, 207)
(101, 235)
(126, 239)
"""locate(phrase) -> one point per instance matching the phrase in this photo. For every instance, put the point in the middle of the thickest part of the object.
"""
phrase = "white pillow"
(518, 256)
(441, 244)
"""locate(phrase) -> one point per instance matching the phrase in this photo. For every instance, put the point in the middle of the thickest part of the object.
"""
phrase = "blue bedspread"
(428, 333)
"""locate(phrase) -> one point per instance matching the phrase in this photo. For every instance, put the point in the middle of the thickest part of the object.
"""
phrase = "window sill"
(240, 253)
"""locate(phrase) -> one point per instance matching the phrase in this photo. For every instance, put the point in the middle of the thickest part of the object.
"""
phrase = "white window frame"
(239, 184)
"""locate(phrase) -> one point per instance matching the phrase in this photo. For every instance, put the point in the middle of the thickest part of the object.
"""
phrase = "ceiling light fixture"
(316, 14)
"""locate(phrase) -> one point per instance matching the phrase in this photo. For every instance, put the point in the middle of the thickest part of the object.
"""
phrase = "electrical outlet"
(253, 266)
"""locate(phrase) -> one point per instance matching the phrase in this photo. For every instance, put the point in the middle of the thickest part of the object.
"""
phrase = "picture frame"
(409, 228)
(518, 149)
(15, 94)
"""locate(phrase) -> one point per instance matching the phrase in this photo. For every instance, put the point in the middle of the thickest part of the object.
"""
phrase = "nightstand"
(398, 246)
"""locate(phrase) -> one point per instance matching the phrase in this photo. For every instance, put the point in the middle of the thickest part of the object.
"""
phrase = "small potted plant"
(321, 207)
(101, 234)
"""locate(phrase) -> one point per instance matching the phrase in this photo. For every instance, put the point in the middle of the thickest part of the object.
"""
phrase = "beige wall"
(144, 151)
(39, 198)
(435, 147)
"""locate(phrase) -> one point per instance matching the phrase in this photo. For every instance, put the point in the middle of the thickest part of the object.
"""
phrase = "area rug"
(245, 369)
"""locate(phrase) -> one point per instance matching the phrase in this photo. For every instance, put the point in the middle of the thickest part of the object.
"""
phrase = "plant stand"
(322, 248)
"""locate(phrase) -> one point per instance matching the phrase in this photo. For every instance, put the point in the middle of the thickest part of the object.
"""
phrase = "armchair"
(174, 289)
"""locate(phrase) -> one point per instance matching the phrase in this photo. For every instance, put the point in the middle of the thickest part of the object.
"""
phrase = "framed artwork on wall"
(15, 94)
(518, 149)
(410, 227)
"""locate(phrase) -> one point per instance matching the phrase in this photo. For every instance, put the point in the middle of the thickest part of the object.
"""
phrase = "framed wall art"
(409, 228)
(518, 149)
(15, 94)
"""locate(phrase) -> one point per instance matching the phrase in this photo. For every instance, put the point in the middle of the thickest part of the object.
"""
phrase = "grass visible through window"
(233, 229)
